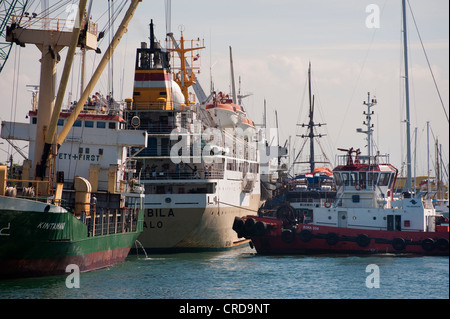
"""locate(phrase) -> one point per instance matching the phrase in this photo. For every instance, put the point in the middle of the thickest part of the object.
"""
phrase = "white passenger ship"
(199, 171)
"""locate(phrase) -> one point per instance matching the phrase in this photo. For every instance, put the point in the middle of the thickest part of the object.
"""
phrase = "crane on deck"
(8, 9)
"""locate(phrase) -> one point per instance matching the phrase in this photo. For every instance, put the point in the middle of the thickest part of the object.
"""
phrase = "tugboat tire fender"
(398, 243)
(332, 239)
(287, 236)
(238, 224)
(249, 226)
(428, 244)
(363, 240)
(260, 228)
(442, 244)
(305, 235)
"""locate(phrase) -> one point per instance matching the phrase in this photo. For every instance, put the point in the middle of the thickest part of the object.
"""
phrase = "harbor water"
(243, 274)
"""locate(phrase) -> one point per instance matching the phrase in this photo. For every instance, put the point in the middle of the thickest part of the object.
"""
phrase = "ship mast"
(186, 77)
(370, 103)
(311, 125)
(407, 187)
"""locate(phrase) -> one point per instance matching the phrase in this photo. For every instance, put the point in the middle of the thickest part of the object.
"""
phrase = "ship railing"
(351, 185)
(53, 24)
(211, 173)
(106, 222)
(199, 174)
(157, 128)
(167, 128)
(342, 160)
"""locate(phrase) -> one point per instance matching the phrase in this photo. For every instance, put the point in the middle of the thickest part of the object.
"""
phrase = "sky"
(352, 50)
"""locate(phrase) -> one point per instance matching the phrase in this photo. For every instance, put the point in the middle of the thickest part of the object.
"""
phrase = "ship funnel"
(152, 36)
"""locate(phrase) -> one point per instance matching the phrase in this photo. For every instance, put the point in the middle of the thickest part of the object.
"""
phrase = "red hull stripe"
(57, 266)
(311, 239)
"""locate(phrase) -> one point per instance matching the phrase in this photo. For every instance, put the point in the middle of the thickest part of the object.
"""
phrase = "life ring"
(358, 186)
(260, 228)
(398, 243)
(287, 236)
(305, 235)
(332, 239)
(363, 240)
(327, 204)
(442, 244)
(428, 244)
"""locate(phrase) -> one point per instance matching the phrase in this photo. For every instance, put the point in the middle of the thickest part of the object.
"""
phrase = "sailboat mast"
(311, 123)
(312, 162)
(408, 122)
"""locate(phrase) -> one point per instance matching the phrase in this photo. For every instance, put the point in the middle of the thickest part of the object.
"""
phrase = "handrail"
(51, 24)
(106, 223)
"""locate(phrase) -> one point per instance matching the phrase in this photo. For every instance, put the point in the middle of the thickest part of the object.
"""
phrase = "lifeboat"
(246, 123)
(323, 170)
(224, 111)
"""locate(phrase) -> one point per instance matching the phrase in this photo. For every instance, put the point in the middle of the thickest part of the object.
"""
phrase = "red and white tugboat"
(364, 218)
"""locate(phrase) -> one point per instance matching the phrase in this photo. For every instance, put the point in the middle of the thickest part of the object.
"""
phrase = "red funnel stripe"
(151, 77)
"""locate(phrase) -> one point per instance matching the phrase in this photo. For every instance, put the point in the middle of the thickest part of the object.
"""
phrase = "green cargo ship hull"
(45, 242)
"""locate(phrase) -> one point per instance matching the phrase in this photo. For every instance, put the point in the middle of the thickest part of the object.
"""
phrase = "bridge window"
(384, 179)
(345, 179)
(372, 179)
(354, 178)
(337, 178)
